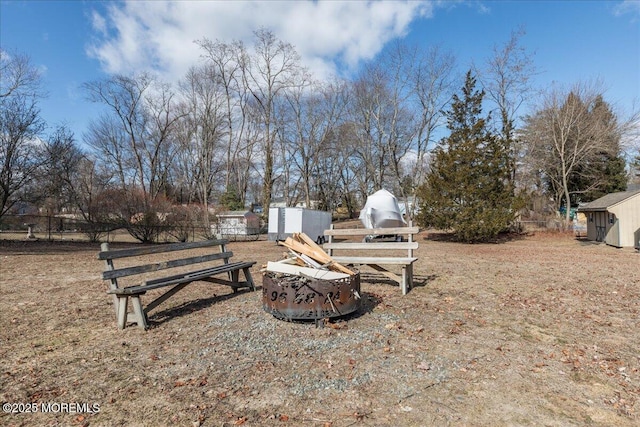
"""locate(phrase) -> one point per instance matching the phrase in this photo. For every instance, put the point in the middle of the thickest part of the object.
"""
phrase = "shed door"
(601, 225)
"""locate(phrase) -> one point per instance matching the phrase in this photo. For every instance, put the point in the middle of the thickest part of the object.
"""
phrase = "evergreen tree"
(230, 200)
(468, 189)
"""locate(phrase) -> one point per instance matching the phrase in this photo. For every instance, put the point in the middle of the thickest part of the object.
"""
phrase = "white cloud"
(329, 35)
(631, 7)
(98, 23)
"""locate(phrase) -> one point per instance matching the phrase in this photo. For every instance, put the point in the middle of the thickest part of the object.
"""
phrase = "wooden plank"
(184, 278)
(122, 312)
(408, 271)
(302, 248)
(124, 253)
(371, 231)
(404, 284)
(113, 283)
(278, 267)
(162, 298)
(372, 246)
(389, 274)
(322, 257)
(138, 312)
(309, 241)
(375, 260)
(130, 271)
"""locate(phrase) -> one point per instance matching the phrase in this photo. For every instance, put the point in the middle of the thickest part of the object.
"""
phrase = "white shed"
(237, 223)
(614, 219)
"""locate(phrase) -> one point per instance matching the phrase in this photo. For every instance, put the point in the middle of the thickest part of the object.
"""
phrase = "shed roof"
(609, 200)
(236, 213)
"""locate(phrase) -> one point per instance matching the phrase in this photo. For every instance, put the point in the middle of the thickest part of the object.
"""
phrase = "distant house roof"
(607, 201)
(235, 213)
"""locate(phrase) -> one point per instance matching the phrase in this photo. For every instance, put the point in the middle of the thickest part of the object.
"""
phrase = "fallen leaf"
(284, 417)
(424, 366)
(336, 325)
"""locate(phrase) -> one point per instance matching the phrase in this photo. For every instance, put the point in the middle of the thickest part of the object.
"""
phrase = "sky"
(77, 41)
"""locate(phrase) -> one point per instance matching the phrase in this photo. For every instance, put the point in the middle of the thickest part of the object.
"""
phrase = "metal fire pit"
(291, 297)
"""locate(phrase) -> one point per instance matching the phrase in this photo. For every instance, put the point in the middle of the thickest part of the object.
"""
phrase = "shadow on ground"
(187, 308)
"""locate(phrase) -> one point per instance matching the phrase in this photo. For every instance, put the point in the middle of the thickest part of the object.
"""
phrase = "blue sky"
(76, 41)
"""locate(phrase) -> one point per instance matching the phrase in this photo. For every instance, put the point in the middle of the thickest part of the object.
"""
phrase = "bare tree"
(138, 135)
(339, 168)
(565, 135)
(228, 60)
(109, 142)
(20, 127)
(141, 119)
(60, 169)
(90, 189)
(205, 126)
(315, 112)
(19, 77)
(385, 124)
(432, 80)
(506, 79)
(273, 68)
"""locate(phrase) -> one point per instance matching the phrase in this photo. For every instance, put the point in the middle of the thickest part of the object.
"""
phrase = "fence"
(579, 229)
(53, 227)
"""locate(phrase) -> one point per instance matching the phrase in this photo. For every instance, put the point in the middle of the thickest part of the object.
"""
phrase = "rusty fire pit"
(290, 297)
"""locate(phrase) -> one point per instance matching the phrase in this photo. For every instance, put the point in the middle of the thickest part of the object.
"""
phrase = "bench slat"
(185, 278)
(371, 231)
(124, 253)
(375, 260)
(372, 246)
(130, 271)
(199, 274)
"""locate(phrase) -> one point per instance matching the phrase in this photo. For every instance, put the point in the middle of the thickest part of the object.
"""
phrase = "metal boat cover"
(382, 211)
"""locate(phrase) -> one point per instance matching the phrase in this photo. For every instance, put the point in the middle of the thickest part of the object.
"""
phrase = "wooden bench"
(174, 282)
(376, 262)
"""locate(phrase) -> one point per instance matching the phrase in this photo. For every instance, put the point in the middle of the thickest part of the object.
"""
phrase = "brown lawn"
(542, 330)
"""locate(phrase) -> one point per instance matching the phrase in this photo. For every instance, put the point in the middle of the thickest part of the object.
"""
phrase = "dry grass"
(542, 330)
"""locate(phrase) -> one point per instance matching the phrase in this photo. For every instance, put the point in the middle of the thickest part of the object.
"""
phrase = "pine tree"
(468, 189)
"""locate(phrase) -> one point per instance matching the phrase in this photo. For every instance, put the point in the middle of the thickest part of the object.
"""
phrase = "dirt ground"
(538, 331)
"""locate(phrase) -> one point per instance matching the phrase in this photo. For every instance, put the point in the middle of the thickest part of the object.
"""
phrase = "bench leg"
(235, 278)
(139, 314)
(249, 279)
(407, 278)
(410, 272)
(122, 311)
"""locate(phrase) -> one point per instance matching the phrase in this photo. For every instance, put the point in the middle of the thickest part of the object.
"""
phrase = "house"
(281, 202)
(237, 223)
(614, 219)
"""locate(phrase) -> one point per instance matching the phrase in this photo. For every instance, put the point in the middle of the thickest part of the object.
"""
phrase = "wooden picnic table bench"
(174, 282)
(405, 280)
